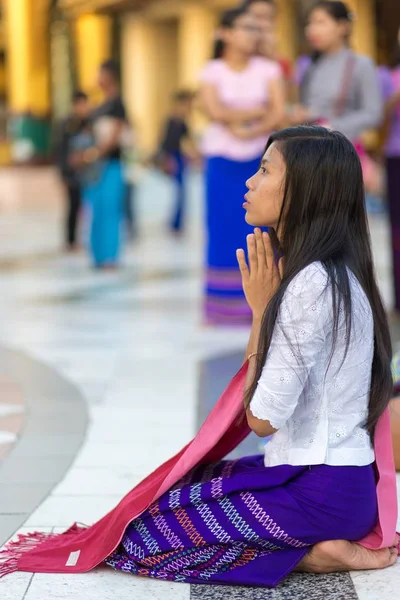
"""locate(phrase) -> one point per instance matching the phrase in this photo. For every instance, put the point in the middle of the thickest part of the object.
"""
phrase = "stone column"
(287, 29)
(364, 39)
(28, 77)
(93, 37)
(139, 75)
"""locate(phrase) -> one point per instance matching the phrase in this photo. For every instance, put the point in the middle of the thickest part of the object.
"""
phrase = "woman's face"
(323, 32)
(263, 12)
(268, 41)
(244, 35)
(265, 196)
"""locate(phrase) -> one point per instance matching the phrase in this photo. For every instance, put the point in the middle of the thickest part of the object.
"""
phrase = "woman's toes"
(394, 556)
(339, 555)
(368, 560)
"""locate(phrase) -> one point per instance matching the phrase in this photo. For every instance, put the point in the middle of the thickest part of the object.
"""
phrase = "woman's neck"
(236, 60)
(335, 49)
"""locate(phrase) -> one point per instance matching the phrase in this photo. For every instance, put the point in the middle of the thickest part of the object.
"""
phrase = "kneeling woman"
(318, 382)
(319, 379)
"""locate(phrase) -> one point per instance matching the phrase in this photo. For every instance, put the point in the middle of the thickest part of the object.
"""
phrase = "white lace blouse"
(318, 405)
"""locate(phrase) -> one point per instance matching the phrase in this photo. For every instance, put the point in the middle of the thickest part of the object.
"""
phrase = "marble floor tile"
(38, 447)
(9, 524)
(378, 585)
(27, 469)
(97, 481)
(63, 511)
(20, 497)
(127, 456)
(14, 586)
(104, 584)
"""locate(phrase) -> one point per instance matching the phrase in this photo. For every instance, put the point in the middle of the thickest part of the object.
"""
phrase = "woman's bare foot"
(339, 555)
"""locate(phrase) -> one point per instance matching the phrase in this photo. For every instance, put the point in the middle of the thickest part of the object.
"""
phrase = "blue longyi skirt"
(227, 229)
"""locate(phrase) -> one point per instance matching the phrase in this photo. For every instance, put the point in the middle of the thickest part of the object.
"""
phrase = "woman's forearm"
(271, 122)
(252, 347)
(230, 116)
(215, 109)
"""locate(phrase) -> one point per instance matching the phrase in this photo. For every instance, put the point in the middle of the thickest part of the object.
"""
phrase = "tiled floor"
(133, 345)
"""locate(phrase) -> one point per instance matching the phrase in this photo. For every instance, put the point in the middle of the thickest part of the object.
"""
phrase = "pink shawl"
(80, 550)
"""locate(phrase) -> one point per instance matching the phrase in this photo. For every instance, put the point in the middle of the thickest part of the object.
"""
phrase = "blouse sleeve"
(297, 341)
(369, 113)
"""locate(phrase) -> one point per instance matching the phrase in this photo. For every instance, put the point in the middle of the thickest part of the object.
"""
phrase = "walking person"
(67, 133)
(106, 190)
(340, 88)
(176, 149)
(243, 96)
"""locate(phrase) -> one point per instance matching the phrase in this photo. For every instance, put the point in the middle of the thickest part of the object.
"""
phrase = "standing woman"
(243, 96)
(390, 81)
(340, 88)
(105, 192)
(265, 11)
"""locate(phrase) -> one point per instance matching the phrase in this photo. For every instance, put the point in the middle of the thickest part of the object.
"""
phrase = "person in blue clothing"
(102, 168)
(177, 146)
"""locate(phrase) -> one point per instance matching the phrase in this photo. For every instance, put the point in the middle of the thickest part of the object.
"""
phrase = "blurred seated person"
(67, 133)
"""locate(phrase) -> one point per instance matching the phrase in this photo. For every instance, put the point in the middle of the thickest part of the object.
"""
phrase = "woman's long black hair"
(323, 218)
(228, 21)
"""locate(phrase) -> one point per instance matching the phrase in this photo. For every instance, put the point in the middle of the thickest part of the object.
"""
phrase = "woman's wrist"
(257, 318)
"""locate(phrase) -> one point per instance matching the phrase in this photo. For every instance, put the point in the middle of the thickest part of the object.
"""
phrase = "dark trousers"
(393, 196)
(180, 201)
(130, 213)
(74, 205)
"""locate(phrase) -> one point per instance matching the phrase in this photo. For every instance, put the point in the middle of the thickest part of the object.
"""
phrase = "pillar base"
(30, 139)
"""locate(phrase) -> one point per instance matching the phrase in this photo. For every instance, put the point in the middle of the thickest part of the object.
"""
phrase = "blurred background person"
(243, 96)
(66, 134)
(177, 148)
(106, 193)
(390, 80)
(129, 143)
(339, 88)
(265, 12)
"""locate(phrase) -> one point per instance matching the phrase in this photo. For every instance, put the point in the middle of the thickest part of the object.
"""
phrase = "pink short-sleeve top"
(241, 90)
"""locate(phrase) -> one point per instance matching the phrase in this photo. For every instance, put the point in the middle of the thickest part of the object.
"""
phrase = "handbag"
(90, 173)
(372, 172)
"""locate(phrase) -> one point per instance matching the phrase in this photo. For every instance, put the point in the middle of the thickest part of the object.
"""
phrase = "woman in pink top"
(243, 95)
